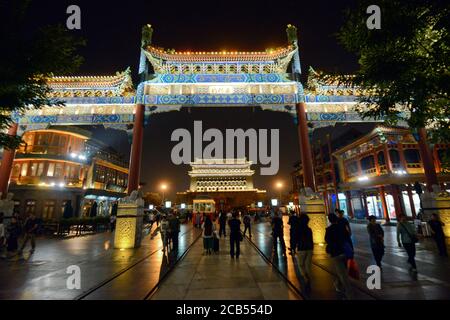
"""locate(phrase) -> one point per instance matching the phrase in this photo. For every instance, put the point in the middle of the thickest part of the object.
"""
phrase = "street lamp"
(163, 188)
(279, 185)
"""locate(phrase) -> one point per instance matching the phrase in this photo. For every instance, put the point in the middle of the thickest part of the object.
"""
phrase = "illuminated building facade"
(371, 168)
(61, 164)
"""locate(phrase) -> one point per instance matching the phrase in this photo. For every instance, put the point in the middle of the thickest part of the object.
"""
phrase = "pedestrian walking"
(438, 234)
(112, 222)
(376, 237)
(335, 237)
(222, 224)
(305, 249)
(13, 232)
(198, 219)
(165, 232)
(235, 236)
(344, 224)
(247, 224)
(407, 236)
(31, 228)
(208, 234)
(294, 224)
(277, 233)
(174, 225)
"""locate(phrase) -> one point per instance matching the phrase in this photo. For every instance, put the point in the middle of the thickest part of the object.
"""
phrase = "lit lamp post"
(163, 188)
(279, 185)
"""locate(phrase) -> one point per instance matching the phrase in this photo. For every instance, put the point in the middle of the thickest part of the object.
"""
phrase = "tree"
(27, 59)
(404, 66)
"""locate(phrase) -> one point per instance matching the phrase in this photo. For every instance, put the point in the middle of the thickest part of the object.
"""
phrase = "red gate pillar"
(305, 147)
(7, 164)
(136, 149)
(427, 160)
(384, 204)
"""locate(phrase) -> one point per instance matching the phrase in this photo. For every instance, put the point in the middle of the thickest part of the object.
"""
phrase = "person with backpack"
(438, 234)
(208, 234)
(305, 249)
(376, 235)
(235, 236)
(335, 237)
(294, 222)
(408, 236)
(247, 224)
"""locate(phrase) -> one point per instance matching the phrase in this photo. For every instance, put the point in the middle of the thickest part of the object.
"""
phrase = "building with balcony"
(65, 163)
(370, 169)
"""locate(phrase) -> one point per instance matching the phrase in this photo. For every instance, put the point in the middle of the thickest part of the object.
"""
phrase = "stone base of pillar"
(314, 207)
(439, 203)
(129, 223)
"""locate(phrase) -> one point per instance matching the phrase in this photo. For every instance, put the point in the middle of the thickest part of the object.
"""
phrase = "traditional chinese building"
(228, 181)
(370, 169)
(61, 164)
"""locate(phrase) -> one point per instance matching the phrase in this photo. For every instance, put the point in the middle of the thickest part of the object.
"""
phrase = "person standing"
(335, 237)
(235, 236)
(376, 235)
(247, 224)
(344, 224)
(222, 224)
(31, 228)
(174, 224)
(208, 234)
(165, 232)
(277, 233)
(438, 234)
(293, 231)
(198, 219)
(408, 236)
(13, 230)
(305, 249)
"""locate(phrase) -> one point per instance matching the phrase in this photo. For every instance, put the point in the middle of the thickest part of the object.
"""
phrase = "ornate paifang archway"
(195, 79)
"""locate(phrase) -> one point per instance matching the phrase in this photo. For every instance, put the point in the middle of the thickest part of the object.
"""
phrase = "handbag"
(241, 237)
(353, 269)
(413, 237)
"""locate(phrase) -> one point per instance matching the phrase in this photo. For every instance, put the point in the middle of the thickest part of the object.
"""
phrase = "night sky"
(112, 30)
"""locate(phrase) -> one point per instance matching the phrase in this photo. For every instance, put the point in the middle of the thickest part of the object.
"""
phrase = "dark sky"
(112, 30)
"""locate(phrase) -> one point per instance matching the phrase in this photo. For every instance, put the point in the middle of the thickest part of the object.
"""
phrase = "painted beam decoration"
(195, 79)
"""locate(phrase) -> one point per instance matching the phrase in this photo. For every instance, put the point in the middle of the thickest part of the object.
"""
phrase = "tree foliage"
(27, 59)
(404, 66)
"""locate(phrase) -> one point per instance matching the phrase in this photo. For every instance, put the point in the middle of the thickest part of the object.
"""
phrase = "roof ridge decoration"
(219, 62)
(117, 85)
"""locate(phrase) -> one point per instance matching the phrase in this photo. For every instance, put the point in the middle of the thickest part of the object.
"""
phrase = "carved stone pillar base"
(129, 224)
(315, 209)
(439, 203)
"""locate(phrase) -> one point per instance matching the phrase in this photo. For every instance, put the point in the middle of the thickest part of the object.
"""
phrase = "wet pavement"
(217, 276)
(43, 274)
(107, 273)
(432, 282)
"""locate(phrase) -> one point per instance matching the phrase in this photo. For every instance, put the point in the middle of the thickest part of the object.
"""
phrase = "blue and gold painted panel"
(220, 78)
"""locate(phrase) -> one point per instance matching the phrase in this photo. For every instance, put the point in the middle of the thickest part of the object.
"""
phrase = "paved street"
(145, 272)
(433, 280)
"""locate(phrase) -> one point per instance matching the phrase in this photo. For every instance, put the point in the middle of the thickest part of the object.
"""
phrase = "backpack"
(208, 230)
